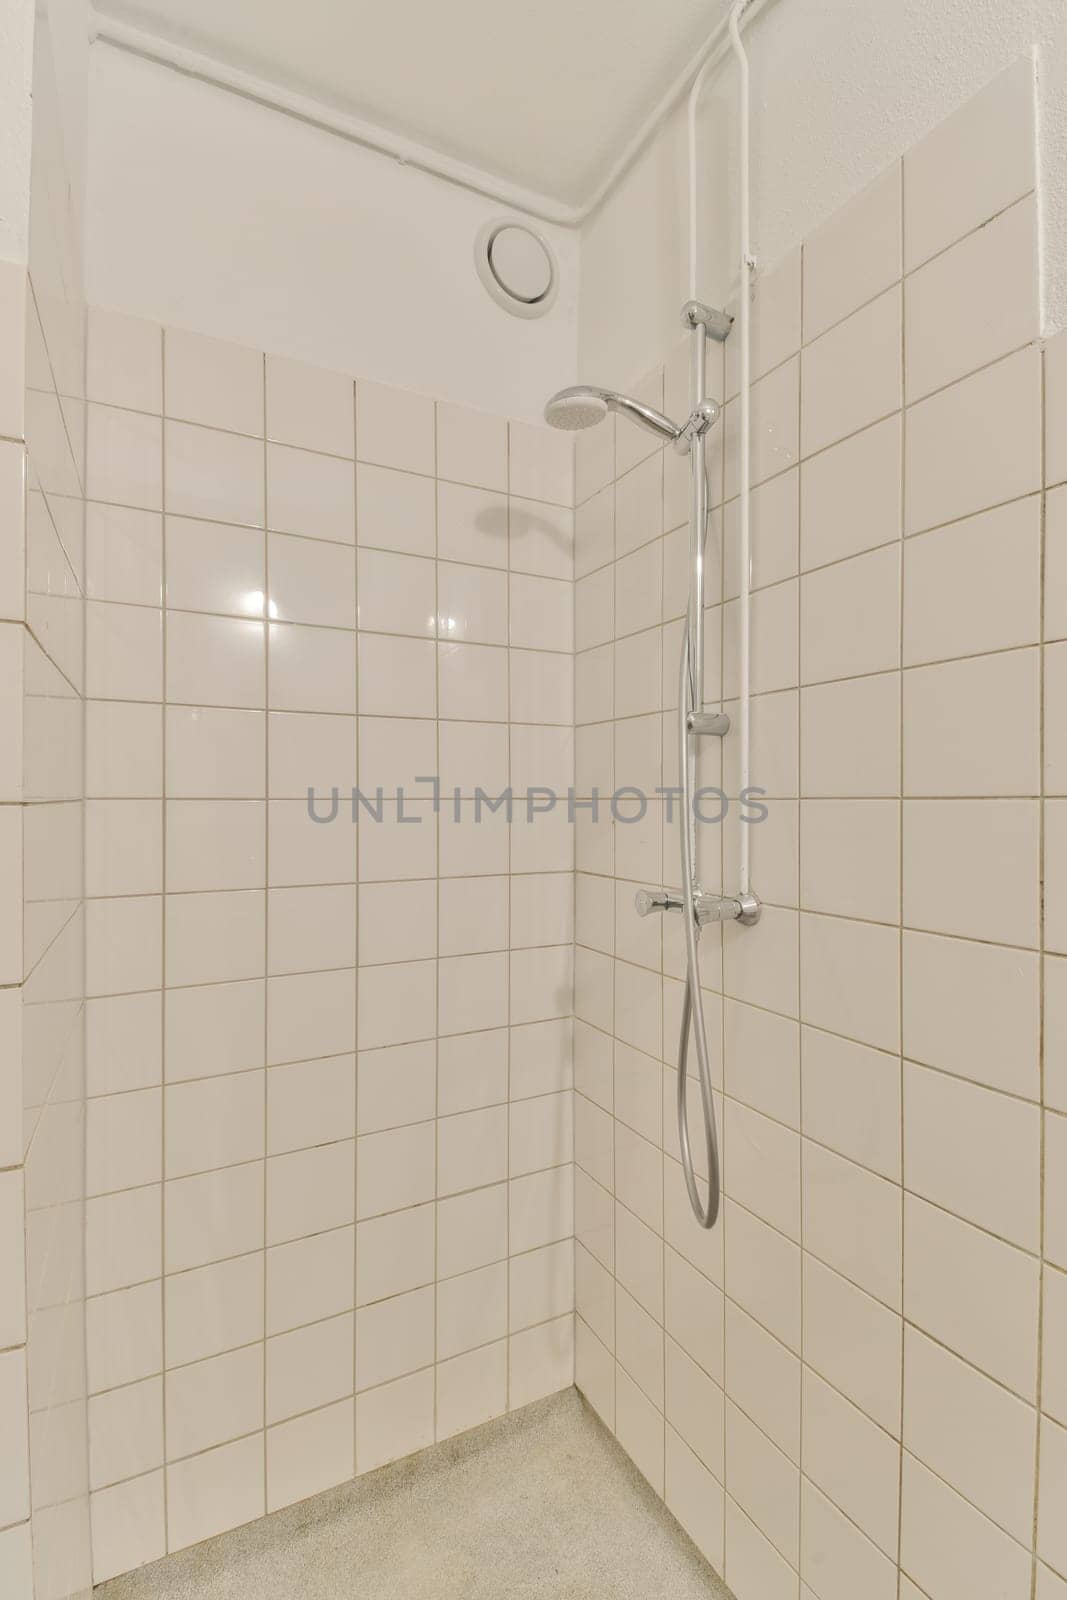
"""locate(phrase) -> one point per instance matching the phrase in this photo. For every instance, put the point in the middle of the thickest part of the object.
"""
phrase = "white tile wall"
(330, 1134)
(342, 1181)
(44, 1456)
(840, 1391)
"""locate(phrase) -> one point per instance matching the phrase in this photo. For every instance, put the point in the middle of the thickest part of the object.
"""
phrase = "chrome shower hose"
(706, 1212)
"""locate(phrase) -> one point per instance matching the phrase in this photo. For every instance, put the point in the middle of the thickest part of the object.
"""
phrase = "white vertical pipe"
(744, 339)
(698, 519)
(691, 120)
(744, 721)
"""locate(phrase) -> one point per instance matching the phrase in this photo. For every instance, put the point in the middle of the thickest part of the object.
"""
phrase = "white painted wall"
(839, 89)
(16, 75)
(68, 26)
(68, 49)
(210, 212)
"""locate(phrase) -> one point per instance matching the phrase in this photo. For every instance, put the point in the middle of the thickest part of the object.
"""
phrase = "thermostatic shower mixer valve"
(708, 907)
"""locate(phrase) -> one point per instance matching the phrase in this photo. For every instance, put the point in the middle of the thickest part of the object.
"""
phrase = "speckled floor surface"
(541, 1504)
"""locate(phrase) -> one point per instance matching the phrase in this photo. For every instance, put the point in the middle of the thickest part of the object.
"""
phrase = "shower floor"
(540, 1504)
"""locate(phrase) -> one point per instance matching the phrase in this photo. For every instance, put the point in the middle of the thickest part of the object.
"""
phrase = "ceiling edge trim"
(408, 152)
(266, 92)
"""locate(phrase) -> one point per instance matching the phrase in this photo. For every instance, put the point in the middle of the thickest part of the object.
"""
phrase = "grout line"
(164, 633)
(357, 930)
(799, 912)
(803, 459)
(1042, 1035)
(356, 461)
(573, 940)
(282, 1422)
(221, 983)
(834, 1267)
(849, 1400)
(800, 839)
(437, 927)
(901, 894)
(902, 276)
(509, 913)
(721, 757)
(267, 654)
(909, 1058)
(616, 1120)
(414, 635)
(327, 1233)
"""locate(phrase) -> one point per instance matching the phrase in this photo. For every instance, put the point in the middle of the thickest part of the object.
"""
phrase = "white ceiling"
(545, 95)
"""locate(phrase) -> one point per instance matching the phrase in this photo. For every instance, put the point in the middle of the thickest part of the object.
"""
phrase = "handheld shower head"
(583, 406)
(572, 409)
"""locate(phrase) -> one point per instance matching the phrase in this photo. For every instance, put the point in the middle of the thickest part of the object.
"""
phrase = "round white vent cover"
(517, 267)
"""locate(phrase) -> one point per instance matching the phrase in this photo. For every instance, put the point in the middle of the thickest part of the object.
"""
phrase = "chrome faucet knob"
(648, 900)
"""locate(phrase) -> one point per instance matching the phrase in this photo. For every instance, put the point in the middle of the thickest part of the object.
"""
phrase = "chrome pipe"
(698, 515)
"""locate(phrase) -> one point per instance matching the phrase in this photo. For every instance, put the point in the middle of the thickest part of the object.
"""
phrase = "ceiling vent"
(517, 267)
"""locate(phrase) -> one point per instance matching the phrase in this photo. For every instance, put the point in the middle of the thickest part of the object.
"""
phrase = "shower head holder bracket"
(716, 324)
(700, 419)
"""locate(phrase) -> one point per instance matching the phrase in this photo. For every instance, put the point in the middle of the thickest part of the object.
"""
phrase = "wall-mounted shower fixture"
(743, 907)
(582, 407)
(708, 907)
(699, 908)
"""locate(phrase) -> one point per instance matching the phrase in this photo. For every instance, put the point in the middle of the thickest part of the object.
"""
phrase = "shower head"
(583, 406)
(572, 409)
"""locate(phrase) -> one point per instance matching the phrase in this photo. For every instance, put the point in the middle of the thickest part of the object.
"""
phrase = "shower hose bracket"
(749, 909)
(716, 324)
(714, 724)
